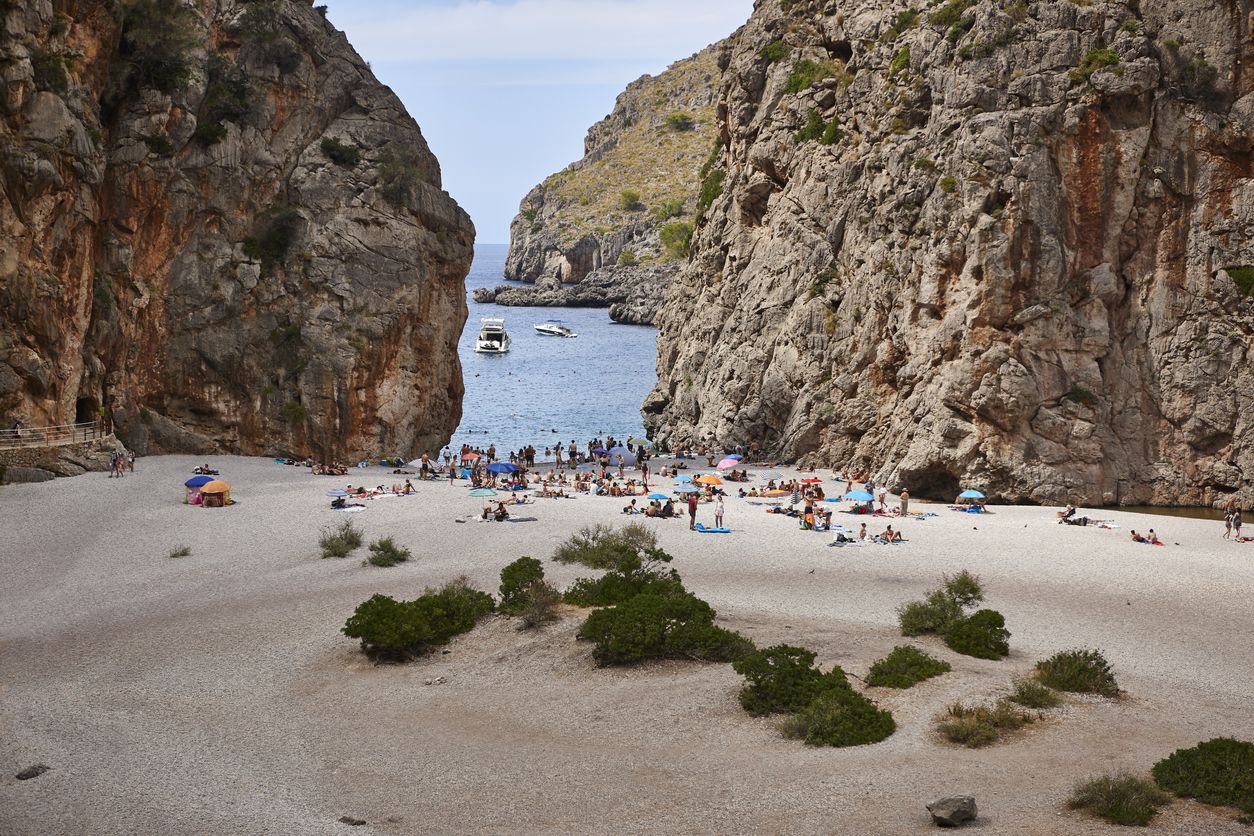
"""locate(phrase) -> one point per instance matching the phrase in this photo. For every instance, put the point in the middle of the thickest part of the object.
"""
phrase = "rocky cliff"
(631, 198)
(219, 227)
(993, 244)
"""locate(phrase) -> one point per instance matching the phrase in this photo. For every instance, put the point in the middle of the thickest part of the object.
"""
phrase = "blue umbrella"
(502, 467)
(658, 496)
(599, 450)
(859, 496)
(687, 489)
(483, 492)
(628, 456)
(735, 456)
(337, 492)
(197, 481)
(970, 494)
(684, 478)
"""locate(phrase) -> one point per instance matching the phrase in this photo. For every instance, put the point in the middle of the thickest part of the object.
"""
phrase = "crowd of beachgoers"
(675, 485)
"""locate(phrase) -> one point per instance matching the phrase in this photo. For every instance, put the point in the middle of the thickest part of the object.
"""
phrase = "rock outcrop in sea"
(1002, 245)
(220, 229)
(629, 201)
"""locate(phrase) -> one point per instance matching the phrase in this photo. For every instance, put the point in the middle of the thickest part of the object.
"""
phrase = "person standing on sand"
(130, 460)
(718, 512)
(1236, 525)
(692, 511)
(1227, 525)
(905, 502)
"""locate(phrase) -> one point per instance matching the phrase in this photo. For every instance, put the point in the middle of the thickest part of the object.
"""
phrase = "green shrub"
(401, 165)
(667, 210)
(950, 13)
(629, 201)
(1080, 395)
(832, 133)
(1197, 78)
(1130, 25)
(942, 607)
(676, 237)
(155, 49)
(295, 413)
(1243, 277)
(905, 666)
(278, 229)
(1033, 694)
(1094, 60)
(813, 129)
(341, 540)
(711, 189)
(322, 11)
(536, 604)
(711, 161)
(514, 579)
(948, 184)
(679, 122)
(159, 144)
(1119, 799)
(652, 626)
(982, 634)
(980, 725)
(228, 98)
(627, 258)
(1078, 671)
(839, 718)
(605, 547)
(1219, 771)
(395, 631)
(180, 551)
(775, 51)
(632, 578)
(340, 153)
(924, 164)
(901, 61)
(50, 70)
(783, 679)
(385, 553)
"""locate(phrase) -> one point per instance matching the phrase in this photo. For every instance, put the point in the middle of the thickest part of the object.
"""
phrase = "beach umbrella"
(215, 486)
(771, 475)
(658, 496)
(337, 492)
(468, 457)
(775, 493)
(628, 456)
(728, 462)
(599, 450)
(197, 481)
(687, 489)
(735, 456)
(416, 463)
(640, 442)
(970, 494)
(683, 478)
(811, 481)
(483, 492)
(796, 496)
(502, 467)
(859, 496)
(708, 480)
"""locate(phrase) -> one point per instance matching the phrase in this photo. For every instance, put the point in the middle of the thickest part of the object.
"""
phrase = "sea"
(547, 390)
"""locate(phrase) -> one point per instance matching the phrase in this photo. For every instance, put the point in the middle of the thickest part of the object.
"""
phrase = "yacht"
(554, 328)
(492, 338)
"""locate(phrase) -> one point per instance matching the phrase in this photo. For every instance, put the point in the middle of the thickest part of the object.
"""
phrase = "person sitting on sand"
(501, 514)
(1151, 537)
(890, 536)
(862, 535)
(1067, 513)
(1137, 538)
(668, 510)
(630, 508)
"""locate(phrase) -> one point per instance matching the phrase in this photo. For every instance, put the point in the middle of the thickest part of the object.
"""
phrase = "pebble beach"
(214, 693)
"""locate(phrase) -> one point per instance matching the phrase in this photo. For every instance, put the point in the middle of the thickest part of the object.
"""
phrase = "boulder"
(953, 811)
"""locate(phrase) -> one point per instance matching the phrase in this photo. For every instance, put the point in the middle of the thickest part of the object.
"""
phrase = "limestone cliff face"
(219, 226)
(1001, 245)
(653, 143)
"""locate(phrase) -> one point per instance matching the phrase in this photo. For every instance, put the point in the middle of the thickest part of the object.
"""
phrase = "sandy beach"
(214, 694)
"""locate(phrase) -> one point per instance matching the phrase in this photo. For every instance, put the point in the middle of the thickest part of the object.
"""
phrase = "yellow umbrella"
(216, 486)
(775, 493)
(708, 480)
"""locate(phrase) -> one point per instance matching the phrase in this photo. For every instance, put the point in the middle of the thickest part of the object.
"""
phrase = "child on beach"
(718, 512)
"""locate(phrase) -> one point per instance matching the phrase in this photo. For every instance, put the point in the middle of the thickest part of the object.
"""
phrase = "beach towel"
(702, 528)
(523, 519)
(849, 543)
(351, 509)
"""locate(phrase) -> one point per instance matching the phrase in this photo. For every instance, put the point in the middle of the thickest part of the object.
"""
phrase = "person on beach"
(130, 460)
(692, 511)
(890, 536)
(1137, 538)
(1236, 524)
(1227, 524)
(1153, 538)
(862, 535)
(883, 498)
(905, 502)
(718, 512)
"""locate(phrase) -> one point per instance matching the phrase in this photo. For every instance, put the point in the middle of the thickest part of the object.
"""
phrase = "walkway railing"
(42, 436)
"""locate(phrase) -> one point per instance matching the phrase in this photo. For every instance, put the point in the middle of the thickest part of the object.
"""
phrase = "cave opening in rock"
(86, 410)
(934, 482)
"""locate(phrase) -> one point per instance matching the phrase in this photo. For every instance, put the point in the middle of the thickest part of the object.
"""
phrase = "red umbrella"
(469, 456)
(811, 481)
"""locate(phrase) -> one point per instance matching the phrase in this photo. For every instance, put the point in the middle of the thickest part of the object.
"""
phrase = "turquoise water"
(589, 386)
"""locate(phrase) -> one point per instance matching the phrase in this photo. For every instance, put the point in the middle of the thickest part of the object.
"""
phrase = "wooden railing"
(42, 436)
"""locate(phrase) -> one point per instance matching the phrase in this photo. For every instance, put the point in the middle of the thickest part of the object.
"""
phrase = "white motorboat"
(492, 338)
(554, 328)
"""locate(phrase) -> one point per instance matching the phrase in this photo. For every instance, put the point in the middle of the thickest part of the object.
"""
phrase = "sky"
(504, 90)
